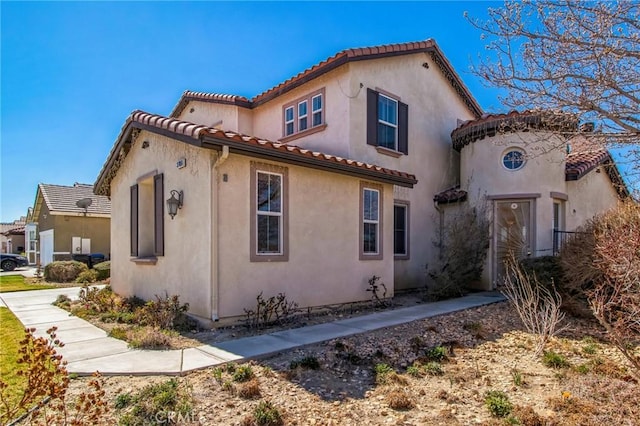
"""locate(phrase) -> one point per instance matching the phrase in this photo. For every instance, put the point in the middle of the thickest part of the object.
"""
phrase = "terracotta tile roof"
(450, 195)
(14, 231)
(61, 198)
(208, 97)
(490, 124)
(580, 163)
(349, 55)
(208, 137)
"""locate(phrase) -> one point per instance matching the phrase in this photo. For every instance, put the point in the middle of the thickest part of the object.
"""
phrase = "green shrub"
(165, 313)
(547, 269)
(64, 271)
(151, 405)
(553, 359)
(265, 414)
(433, 368)
(122, 400)
(99, 299)
(415, 370)
(87, 277)
(243, 373)
(103, 269)
(498, 404)
(437, 353)
(118, 333)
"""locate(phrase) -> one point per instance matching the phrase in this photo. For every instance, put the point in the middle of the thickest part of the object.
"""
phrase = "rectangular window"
(387, 122)
(302, 116)
(299, 120)
(269, 236)
(370, 221)
(269, 213)
(288, 121)
(316, 110)
(401, 230)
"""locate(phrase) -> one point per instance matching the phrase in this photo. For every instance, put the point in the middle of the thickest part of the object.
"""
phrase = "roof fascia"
(290, 158)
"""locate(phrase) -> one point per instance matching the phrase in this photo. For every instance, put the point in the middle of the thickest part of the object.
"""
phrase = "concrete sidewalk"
(88, 348)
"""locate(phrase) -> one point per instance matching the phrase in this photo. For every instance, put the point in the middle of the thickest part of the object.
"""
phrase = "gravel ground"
(487, 350)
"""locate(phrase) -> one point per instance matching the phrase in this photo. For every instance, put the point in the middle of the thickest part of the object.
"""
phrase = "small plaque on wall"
(182, 163)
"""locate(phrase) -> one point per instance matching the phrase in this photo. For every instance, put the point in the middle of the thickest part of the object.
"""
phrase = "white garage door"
(46, 247)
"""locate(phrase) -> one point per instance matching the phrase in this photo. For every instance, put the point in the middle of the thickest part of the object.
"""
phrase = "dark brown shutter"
(158, 216)
(403, 128)
(134, 221)
(372, 117)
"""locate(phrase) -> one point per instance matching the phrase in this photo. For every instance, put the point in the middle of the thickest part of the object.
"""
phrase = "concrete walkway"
(88, 349)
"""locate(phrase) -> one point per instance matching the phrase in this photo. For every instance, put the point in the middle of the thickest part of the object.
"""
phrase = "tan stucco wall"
(211, 114)
(591, 195)
(95, 228)
(268, 118)
(66, 227)
(434, 108)
(185, 267)
(482, 174)
(323, 266)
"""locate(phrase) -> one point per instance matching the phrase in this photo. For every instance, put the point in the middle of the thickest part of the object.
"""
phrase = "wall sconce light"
(173, 203)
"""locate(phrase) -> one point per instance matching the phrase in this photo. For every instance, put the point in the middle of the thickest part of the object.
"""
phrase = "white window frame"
(294, 106)
(304, 116)
(314, 111)
(290, 121)
(270, 213)
(387, 123)
(375, 222)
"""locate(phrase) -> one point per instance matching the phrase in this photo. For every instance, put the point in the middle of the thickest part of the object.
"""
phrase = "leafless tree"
(572, 56)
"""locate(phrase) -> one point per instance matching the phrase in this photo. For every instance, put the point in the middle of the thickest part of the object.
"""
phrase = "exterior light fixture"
(173, 203)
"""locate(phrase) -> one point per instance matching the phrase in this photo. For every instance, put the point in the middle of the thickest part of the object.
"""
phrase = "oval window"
(513, 159)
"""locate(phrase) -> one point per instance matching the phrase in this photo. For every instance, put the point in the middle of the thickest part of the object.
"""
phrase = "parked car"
(9, 262)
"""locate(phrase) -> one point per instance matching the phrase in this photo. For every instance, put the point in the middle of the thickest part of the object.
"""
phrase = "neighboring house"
(10, 241)
(540, 184)
(58, 228)
(272, 213)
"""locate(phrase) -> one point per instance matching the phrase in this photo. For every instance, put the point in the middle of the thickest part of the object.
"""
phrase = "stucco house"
(12, 236)
(541, 176)
(59, 226)
(337, 185)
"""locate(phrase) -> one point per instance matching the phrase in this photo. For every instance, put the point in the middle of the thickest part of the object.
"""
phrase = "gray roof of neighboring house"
(61, 198)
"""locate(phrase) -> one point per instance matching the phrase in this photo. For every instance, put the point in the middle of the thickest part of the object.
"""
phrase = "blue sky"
(72, 72)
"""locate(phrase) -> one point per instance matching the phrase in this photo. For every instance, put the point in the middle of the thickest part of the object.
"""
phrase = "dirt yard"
(486, 350)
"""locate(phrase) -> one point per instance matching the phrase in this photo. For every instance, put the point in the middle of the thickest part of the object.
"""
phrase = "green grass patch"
(16, 283)
(11, 333)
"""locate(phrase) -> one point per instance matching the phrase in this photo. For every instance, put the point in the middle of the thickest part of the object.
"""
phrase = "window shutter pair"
(158, 216)
(372, 122)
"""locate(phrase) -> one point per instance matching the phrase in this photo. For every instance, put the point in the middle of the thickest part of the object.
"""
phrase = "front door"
(512, 233)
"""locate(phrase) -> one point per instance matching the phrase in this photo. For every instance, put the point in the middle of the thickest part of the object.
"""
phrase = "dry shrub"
(608, 272)
(87, 277)
(463, 245)
(44, 398)
(537, 306)
(249, 390)
(527, 416)
(398, 399)
(64, 271)
(149, 338)
(166, 313)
